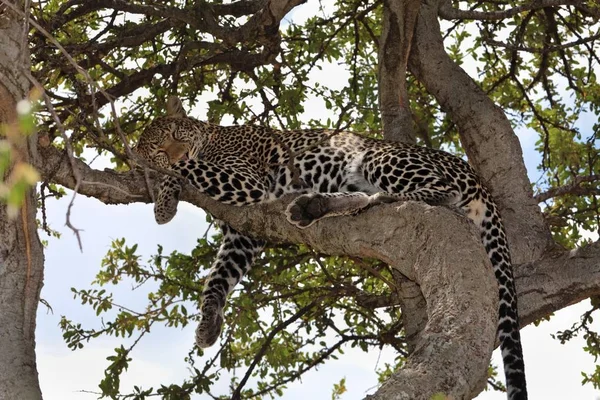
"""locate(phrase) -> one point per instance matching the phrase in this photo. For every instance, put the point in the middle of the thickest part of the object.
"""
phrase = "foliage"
(16, 175)
(255, 315)
(297, 308)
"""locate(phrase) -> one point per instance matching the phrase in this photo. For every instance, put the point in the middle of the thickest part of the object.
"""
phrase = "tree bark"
(21, 253)
(399, 17)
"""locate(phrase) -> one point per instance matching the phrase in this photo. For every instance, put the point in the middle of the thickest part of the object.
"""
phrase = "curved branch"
(431, 246)
(461, 318)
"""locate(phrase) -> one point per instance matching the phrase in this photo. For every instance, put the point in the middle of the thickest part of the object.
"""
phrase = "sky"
(553, 370)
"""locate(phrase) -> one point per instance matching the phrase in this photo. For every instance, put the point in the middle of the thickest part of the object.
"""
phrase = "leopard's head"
(171, 138)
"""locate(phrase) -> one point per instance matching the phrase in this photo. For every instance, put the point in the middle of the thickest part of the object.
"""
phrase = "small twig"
(374, 272)
(205, 236)
(495, 386)
(48, 306)
(43, 200)
(69, 149)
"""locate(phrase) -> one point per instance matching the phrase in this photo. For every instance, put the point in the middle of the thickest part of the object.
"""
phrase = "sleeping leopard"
(334, 173)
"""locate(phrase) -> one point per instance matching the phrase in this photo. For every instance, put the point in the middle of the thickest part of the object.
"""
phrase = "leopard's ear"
(175, 108)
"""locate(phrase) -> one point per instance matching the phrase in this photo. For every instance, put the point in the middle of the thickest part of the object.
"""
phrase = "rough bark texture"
(414, 306)
(417, 241)
(21, 254)
(399, 17)
(491, 144)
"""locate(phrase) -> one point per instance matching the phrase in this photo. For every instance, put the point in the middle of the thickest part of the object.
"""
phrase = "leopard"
(334, 173)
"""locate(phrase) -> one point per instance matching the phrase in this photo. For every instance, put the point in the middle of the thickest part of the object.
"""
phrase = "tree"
(107, 67)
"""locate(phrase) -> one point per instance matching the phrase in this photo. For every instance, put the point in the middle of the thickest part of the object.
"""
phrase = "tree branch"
(571, 188)
(87, 6)
(236, 8)
(431, 246)
(448, 12)
(265, 23)
(557, 280)
(541, 50)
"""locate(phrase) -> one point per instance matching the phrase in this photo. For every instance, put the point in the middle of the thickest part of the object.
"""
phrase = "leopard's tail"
(483, 211)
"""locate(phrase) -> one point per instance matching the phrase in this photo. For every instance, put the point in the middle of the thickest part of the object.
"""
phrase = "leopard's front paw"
(165, 210)
(165, 206)
(209, 328)
(306, 210)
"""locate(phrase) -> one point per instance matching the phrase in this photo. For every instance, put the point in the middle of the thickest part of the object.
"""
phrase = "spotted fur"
(336, 173)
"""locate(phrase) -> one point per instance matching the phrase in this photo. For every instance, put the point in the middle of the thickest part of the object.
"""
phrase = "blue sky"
(553, 369)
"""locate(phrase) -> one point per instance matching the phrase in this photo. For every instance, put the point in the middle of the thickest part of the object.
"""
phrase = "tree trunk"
(486, 135)
(21, 253)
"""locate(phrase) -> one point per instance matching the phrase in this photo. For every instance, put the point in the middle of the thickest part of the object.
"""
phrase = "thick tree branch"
(263, 24)
(414, 241)
(557, 280)
(489, 141)
(236, 8)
